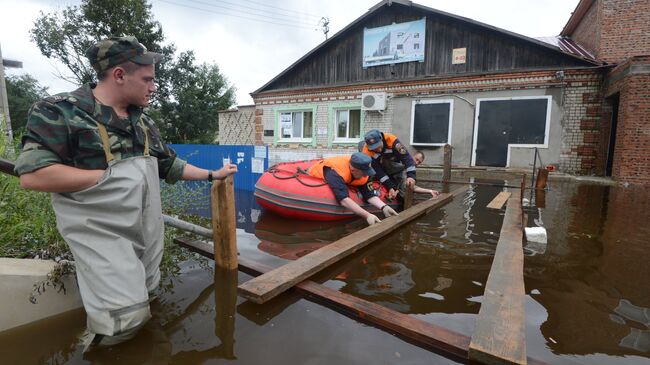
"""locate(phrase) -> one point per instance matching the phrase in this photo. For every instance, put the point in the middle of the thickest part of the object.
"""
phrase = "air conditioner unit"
(373, 101)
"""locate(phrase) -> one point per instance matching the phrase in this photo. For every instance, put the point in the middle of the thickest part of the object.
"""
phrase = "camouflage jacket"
(61, 129)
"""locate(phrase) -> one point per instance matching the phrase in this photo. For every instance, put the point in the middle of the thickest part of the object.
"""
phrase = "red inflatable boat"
(287, 190)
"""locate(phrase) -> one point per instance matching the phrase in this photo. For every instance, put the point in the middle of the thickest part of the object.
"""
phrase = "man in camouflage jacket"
(101, 158)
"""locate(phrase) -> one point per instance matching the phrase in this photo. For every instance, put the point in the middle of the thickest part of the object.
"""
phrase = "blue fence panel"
(251, 161)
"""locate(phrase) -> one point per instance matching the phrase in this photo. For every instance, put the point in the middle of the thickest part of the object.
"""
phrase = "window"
(416, 45)
(296, 125)
(431, 122)
(348, 125)
(400, 46)
(416, 35)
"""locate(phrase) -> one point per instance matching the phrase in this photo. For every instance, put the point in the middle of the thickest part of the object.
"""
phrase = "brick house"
(617, 32)
(494, 95)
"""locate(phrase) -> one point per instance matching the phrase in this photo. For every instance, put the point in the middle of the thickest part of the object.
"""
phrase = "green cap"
(113, 51)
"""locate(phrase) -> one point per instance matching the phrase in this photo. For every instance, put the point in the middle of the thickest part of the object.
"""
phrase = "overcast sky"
(261, 38)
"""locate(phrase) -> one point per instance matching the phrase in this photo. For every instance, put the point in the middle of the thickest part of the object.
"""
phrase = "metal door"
(493, 134)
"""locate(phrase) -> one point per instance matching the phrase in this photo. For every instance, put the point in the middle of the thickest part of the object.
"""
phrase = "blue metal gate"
(251, 161)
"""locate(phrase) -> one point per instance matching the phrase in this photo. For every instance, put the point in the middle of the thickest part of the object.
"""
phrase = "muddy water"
(587, 302)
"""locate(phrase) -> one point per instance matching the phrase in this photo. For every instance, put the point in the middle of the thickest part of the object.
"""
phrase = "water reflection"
(291, 240)
(593, 279)
(193, 197)
(588, 290)
(590, 281)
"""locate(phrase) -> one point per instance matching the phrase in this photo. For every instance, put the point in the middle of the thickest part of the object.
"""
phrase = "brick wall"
(321, 147)
(614, 30)
(587, 33)
(583, 148)
(582, 151)
(631, 81)
(625, 29)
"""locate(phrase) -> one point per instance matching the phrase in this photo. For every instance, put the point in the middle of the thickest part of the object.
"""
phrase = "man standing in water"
(341, 171)
(101, 158)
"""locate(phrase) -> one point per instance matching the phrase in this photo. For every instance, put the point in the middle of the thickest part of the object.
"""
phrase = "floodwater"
(587, 290)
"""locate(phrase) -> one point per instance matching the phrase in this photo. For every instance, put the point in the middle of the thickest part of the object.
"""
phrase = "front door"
(509, 122)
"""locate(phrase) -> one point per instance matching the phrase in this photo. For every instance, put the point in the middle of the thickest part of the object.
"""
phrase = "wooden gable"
(338, 61)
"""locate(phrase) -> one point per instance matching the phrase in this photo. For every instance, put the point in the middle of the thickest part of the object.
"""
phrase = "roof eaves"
(432, 10)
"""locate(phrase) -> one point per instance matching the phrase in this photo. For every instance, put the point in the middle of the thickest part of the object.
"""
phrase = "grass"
(28, 226)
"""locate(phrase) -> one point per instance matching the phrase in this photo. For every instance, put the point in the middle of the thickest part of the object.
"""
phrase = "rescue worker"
(101, 157)
(418, 158)
(389, 158)
(341, 171)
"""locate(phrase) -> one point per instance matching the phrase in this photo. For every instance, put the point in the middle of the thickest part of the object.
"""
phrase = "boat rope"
(293, 175)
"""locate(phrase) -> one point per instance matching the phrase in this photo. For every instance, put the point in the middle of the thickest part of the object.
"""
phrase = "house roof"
(568, 45)
(383, 3)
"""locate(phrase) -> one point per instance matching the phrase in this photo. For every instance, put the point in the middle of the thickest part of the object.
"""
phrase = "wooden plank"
(269, 285)
(446, 171)
(224, 224)
(420, 333)
(499, 337)
(408, 198)
(499, 201)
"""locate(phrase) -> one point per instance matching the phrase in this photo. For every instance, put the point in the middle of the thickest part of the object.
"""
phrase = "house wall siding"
(575, 101)
(237, 127)
(340, 62)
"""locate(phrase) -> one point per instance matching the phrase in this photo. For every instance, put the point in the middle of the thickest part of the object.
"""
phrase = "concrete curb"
(17, 279)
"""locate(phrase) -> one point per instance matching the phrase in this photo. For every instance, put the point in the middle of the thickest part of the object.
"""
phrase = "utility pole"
(5, 120)
(324, 22)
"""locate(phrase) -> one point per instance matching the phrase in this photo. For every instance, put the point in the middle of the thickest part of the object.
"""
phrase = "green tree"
(22, 92)
(188, 95)
(198, 91)
(66, 35)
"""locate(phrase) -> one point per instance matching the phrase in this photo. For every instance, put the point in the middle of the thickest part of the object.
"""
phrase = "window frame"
(347, 139)
(449, 122)
(295, 109)
(332, 125)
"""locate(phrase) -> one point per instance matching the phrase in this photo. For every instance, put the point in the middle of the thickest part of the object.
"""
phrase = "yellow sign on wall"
(458, 56)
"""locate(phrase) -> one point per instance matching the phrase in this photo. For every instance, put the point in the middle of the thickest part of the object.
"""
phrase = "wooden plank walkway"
(499, 201)
(269, 285)
(424, 334)
(499, 337)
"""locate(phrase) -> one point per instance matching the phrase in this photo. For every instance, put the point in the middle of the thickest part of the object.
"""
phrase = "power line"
(288, 10)
(264, 15)
(237, 16)
(265, 12)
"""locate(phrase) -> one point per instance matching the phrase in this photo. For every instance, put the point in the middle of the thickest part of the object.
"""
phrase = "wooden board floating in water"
(269, 285)
(499, 337)
(499, 201)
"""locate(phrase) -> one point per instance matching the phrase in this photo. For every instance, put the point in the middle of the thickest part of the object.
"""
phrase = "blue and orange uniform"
(336, 173)
(392, 152)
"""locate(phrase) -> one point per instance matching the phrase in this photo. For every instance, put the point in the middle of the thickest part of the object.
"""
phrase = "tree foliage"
(188, 95)
(191, 116)
(22, 92)
(66, 35)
